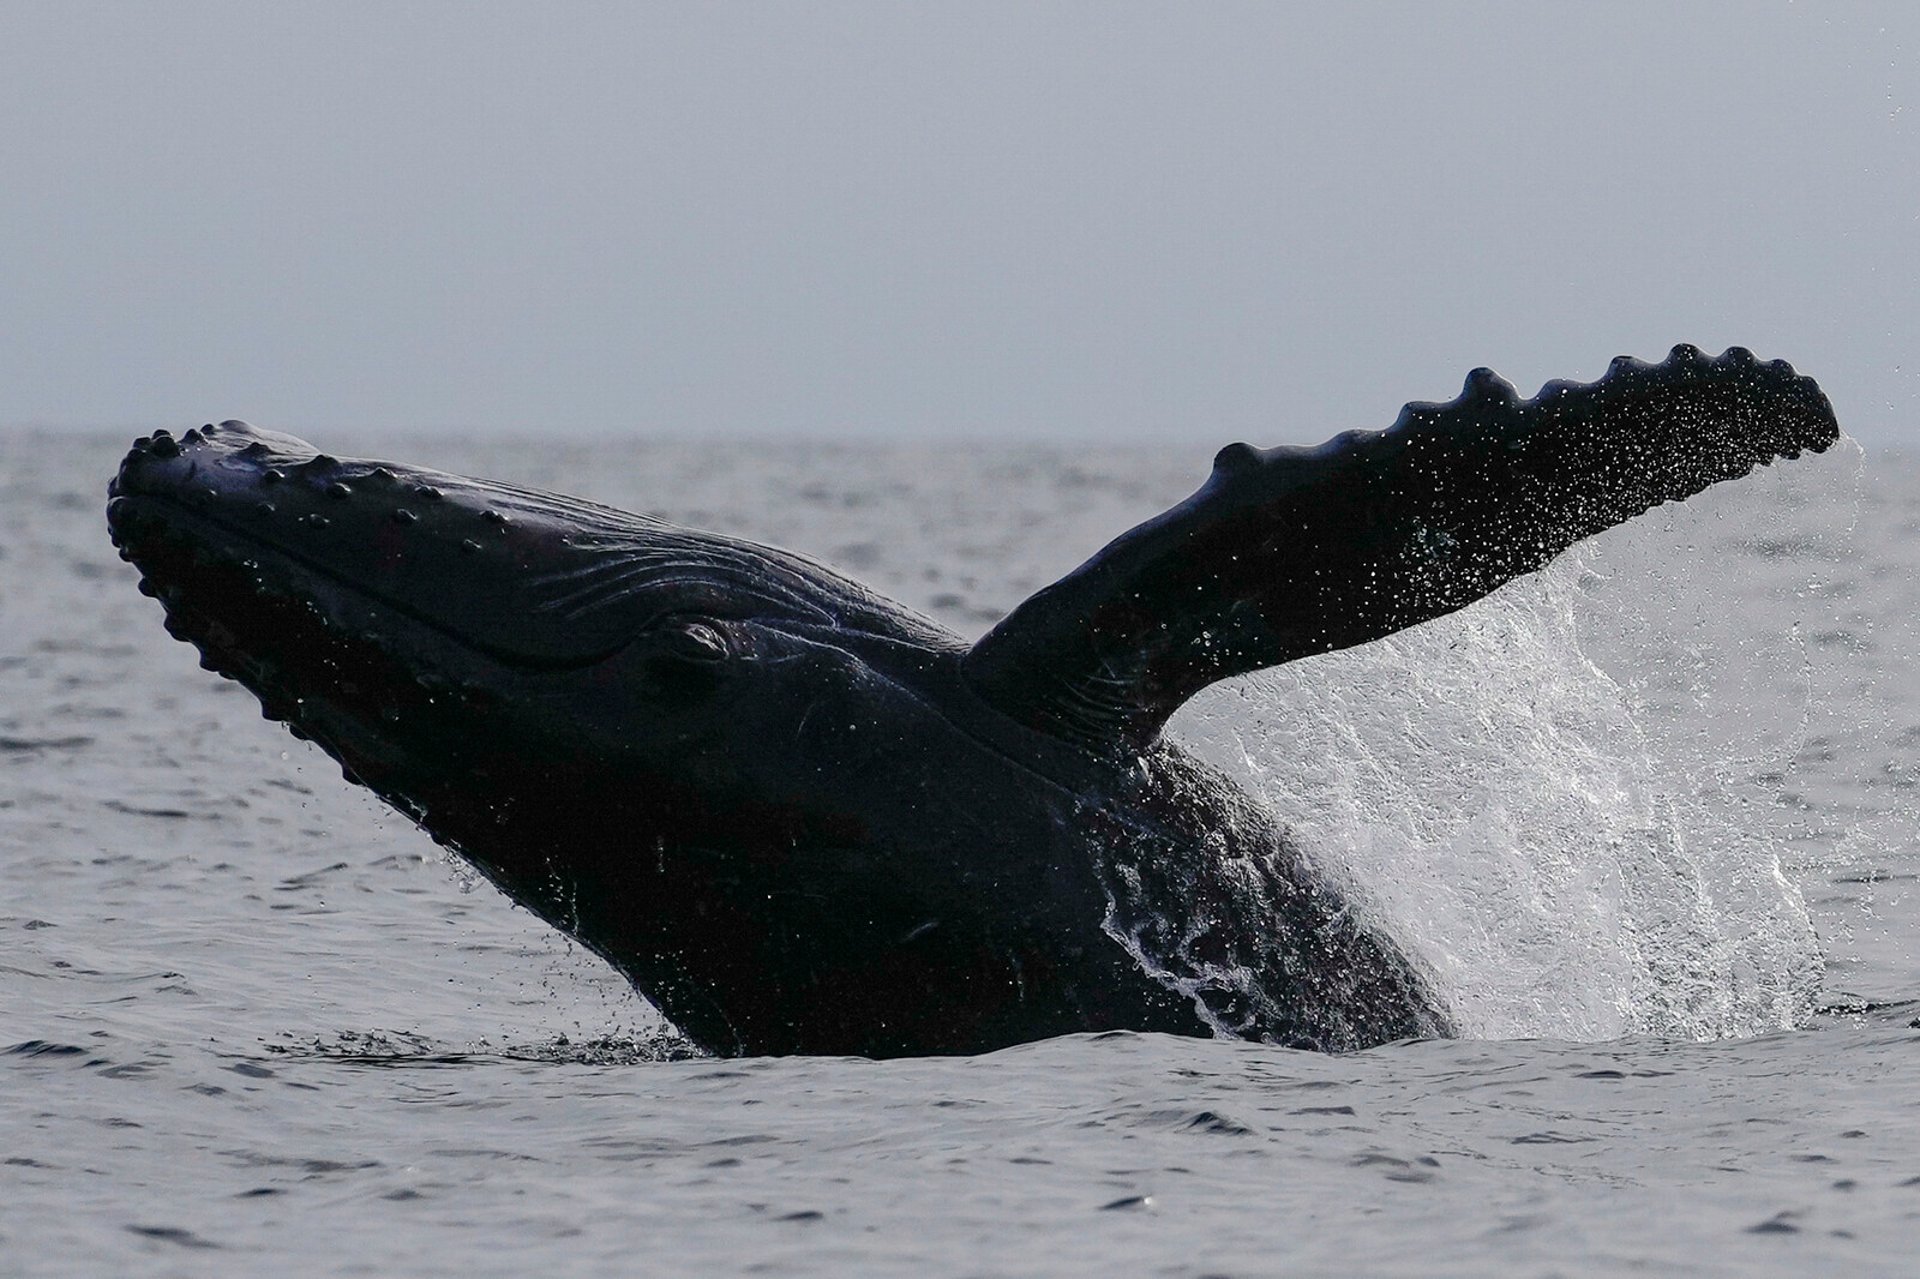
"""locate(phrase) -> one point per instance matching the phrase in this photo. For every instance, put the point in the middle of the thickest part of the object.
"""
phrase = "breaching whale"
(801, 818)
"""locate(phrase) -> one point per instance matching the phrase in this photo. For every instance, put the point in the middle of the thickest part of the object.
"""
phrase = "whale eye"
(685, 661)
(692, 642)
(686, 655)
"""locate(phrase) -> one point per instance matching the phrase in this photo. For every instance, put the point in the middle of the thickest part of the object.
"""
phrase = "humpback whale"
(799, 817)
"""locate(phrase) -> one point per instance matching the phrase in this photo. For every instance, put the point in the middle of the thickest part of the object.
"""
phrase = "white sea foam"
(1565, 798)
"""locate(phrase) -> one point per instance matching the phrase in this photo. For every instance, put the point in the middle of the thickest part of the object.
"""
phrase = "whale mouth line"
(240, 544)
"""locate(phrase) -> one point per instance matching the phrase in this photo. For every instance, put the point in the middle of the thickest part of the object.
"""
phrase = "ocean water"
(1649, 816)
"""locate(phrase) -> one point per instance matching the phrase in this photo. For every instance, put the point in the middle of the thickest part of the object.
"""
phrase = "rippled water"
(1660, 798)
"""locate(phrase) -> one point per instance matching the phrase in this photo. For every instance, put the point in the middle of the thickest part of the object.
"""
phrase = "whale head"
(351, 594)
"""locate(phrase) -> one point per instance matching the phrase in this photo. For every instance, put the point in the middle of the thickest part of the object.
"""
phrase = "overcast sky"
(1187, 222)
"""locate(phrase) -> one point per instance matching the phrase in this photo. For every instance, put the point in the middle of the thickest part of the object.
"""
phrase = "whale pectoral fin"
(1287, 552)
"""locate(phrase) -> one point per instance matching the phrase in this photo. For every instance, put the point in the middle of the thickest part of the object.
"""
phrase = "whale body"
(799, 817)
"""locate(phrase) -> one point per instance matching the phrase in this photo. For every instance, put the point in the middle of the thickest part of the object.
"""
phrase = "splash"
(408, 1048)
(1565, 799)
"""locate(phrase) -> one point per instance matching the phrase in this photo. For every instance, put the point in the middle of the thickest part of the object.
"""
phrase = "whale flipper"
(1288, 552)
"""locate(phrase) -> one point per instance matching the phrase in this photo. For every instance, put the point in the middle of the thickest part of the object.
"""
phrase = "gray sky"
(1092, 221)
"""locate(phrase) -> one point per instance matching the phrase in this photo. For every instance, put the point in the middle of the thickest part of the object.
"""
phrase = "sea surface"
(1651, 817)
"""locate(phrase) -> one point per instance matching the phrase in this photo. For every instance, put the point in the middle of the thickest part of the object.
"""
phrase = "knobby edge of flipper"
(1290, 551)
